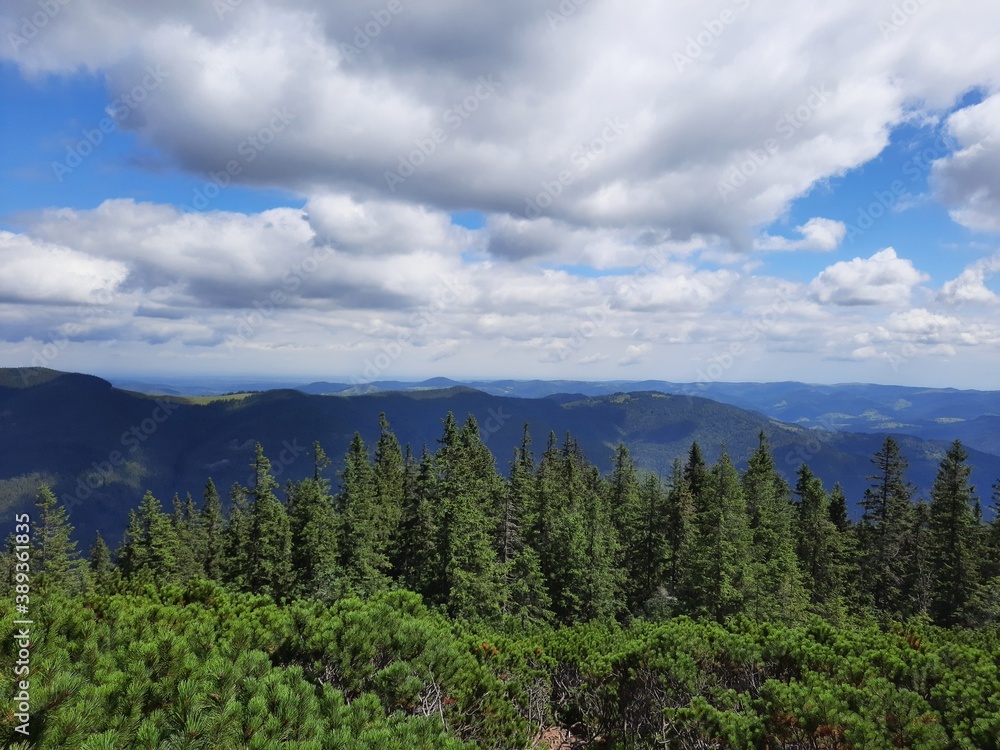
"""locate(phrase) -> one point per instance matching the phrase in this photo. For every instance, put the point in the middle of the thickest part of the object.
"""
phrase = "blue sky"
(730, 191)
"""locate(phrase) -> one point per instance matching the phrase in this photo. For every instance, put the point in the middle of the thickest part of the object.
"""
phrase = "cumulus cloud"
(969, 179)
(817, 234)
(970, 286)
(609, 119)
(882, 279)
(38, 271)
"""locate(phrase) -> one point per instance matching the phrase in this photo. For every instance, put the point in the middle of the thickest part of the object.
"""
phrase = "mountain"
(933, 413)
(102, 447)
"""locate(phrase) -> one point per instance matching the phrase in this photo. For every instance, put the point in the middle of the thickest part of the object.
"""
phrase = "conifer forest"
(442, 597)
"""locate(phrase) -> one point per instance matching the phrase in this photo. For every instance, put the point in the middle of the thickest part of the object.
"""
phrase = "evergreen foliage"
(552, 596)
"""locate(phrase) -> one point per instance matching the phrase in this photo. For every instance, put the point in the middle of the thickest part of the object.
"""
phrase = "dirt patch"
(557, 738)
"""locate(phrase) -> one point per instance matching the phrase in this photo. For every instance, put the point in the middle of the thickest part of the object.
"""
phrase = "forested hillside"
(100, 447)
(429, 600)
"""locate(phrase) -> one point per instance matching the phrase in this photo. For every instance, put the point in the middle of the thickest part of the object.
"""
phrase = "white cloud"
(882, 279)
(36, 271)
(970, 287)
(817, 234)
(540, 128)
(634, 354)
(969, 179)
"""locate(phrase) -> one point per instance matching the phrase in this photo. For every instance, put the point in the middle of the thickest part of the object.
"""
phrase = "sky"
(732, 190)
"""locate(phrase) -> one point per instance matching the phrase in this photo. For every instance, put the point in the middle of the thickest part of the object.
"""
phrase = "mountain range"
(101, 447)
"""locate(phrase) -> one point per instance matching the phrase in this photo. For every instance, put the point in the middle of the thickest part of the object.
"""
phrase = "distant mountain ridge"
(931, 413)
(102, 446)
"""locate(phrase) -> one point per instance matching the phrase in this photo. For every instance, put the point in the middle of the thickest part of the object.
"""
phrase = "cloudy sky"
(587, 189)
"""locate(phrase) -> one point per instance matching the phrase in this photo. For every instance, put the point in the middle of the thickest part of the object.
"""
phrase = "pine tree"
(884, 525)
(270, 542)
(314, 528)
(777, 580)
(55, 561)
(151, 544)
(953, 535)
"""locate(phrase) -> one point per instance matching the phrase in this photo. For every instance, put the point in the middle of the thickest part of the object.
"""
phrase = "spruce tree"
(717, 551)
(151, 545)
(470, 491)
(270, 543)
(884, 525)
(390, 477)
(56, 562)
(918, 579)
(520, 565)
(314, 528)
(364, 558)
(777, 580)
(416, 560)
(953, 535)
(236, 540)
(817, 544)
(213, 526)
(99, 561)
(679, 514)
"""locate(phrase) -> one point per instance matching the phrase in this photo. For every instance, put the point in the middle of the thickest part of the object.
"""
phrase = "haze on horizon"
(394, 191)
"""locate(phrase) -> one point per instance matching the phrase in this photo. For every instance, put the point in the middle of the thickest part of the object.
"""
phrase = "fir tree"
(953, 535)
